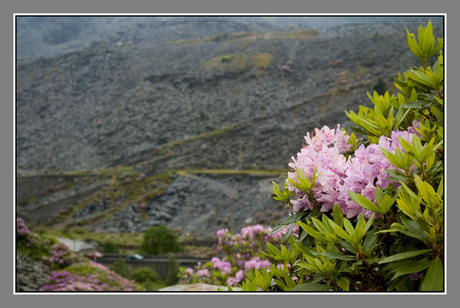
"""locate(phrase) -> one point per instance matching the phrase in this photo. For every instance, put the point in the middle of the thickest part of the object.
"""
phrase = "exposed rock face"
(200, 206)
(108, 105)
(212, 102)
(31, 275)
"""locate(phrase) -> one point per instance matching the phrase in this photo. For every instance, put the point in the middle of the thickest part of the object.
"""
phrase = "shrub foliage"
(159, 240)
(370, 210)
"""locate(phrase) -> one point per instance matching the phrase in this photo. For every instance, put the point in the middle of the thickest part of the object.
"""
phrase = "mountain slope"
(221, 99)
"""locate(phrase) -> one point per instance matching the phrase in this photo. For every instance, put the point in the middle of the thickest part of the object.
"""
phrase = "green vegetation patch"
(268, 172)
(229, 62)
(250, 36)
(124, 187)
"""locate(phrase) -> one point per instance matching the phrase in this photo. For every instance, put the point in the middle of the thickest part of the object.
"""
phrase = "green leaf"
(277, 229)
(343, 283)
(440, 191)
(337, 255)
(411, 267)
(417, 145)
(387, 203)
(349, 227)
(293, 218)
(421, 78)
(340, 232)
(434, 278)
(428, 194)
(412, 43)
(413, 96)
(281, 195)
(400, 117)
(337, 215)
(320, 225)
(379, 194)
(396, 175)
(394, 160)
(369, 223)
(348, 247)
(438, 114)
(364, 202)
(427, 39)
(398, 284)
(406, 145)
(416, 105)
(312, 232)
(311, 287)
(273, 250)
(414, 228)
(288, 234)
(370, 242)
(276, 188)
(359, 130)
(403, 255)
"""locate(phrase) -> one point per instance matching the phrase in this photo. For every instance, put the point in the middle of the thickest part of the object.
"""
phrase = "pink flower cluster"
(21, 227)
(203, 273)
(222, 265)
(239, 276)
(249, 236)
(101, 279)
(61, 256)
(256, 263)
(337, 175)
(240, 252)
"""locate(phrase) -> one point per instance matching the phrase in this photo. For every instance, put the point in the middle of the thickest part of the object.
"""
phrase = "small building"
(77, 246)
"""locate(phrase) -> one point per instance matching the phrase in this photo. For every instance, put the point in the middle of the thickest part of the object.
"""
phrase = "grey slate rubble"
(31, 275)
(118, 100)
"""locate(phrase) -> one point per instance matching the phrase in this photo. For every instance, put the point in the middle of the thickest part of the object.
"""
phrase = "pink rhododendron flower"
(337, 175)
(203, 273)
(231, 281)
(239, 276)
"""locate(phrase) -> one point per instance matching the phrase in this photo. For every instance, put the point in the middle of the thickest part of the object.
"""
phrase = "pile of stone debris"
(31, 275)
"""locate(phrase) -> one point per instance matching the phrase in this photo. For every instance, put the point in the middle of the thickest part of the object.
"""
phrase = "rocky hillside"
(183, 121)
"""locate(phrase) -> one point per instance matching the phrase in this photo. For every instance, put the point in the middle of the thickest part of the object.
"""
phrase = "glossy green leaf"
(351, 248)
(368, 224)
(312, 232)
(364, 202)
(320, 226)
(348, 227)
(434, 278)
(343, 283)
(404, 255)
(428, 194)
(273, 250)
(411, 267)
(337, 255)
(370, 242)
(293, 218)
(311, 287)
(337, 215)
(287, 234)
(340, 232)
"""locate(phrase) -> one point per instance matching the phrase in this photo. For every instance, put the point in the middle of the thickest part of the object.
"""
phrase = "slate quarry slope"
(222, 104)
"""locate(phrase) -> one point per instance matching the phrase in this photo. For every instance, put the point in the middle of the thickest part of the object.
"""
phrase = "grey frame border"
(221, 300)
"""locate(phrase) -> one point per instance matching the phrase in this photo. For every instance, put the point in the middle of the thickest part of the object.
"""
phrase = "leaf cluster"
(401, 246)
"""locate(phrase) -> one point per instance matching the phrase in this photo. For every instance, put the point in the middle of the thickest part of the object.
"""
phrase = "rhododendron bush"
(238, 254)
(89, 276)
(72, 272)
(48, 250)
(370, 210)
